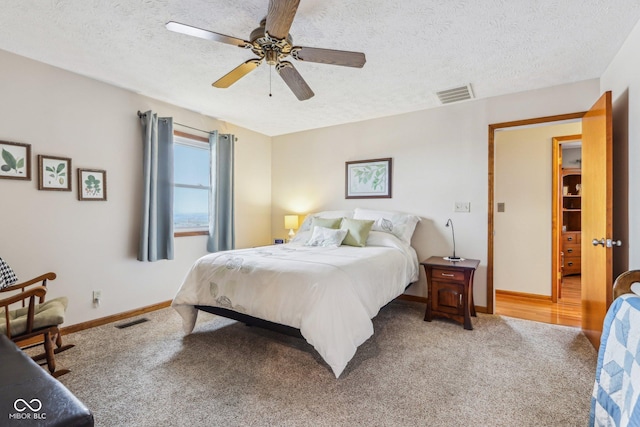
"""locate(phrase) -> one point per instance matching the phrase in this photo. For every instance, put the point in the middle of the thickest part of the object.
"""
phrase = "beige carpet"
(506, 372)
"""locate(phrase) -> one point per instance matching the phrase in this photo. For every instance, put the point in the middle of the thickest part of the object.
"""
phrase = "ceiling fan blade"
(205, 34)
(236, 74)
(329, 56)
(280, 17)
(294, 80)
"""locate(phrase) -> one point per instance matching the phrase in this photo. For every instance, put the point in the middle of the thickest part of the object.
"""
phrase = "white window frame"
(180, 138)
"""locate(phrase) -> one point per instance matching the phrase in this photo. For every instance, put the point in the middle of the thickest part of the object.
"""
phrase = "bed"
(615, 399)
(328, 293)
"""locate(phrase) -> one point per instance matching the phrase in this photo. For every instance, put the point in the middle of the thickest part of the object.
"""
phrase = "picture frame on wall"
(368, 179)
(15, 160)
(54, 173)
(92, 184)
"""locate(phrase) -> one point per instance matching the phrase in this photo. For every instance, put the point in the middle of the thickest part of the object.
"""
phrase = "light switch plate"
(462, 207)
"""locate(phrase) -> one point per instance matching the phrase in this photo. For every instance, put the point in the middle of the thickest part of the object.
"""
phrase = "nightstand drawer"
(440, 274)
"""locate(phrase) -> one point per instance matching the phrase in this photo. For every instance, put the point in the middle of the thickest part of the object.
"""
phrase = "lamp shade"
(291, 221)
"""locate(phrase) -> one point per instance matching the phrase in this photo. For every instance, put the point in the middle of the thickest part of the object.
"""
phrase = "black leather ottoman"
(30, 396)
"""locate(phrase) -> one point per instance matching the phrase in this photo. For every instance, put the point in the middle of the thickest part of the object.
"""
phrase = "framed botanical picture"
(15, 160)
(54, 173)
(92, 184)
(368, 179)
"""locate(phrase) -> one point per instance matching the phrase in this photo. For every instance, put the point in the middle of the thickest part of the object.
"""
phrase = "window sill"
(190, 233)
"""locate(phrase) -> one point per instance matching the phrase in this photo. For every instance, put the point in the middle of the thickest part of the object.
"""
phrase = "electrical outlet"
(462, 207)
(97, 296)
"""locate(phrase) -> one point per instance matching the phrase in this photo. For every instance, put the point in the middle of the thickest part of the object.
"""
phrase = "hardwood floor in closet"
(567, 311)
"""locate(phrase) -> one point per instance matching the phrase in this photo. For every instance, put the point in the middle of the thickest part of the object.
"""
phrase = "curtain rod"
(141, 115)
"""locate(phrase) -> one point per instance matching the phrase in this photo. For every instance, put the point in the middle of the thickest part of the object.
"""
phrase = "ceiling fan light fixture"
(271, 56)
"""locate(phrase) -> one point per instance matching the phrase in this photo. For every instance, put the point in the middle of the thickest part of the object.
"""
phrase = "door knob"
(606, 242)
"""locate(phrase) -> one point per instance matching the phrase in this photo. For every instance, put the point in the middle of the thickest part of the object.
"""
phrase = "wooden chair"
(32, 320)
(623, 282)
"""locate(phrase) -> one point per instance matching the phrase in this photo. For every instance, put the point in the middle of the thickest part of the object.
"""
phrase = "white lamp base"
(291, 235)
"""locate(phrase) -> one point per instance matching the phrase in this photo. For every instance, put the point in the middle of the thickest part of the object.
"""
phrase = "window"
(191, 172)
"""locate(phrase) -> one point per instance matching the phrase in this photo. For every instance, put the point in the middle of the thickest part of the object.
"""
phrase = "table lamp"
(291, 222)
(453, 257)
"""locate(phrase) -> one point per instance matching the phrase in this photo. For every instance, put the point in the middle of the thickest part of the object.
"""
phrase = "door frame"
(556, 209)
(491, 179)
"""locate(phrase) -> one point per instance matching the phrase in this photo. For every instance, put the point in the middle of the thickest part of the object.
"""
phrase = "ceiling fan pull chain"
(270, 67)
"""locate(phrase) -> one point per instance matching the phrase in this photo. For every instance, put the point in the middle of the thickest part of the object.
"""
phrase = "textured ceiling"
(413, 48)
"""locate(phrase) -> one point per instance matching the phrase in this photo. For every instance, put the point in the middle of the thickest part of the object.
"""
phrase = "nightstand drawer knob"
(447, 275)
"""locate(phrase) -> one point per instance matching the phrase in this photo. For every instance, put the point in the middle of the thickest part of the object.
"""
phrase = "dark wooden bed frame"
(251, 321)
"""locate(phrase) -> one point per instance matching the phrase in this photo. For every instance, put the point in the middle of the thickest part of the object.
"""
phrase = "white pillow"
(635, 288)
(380, 238)
(306, 224)
(400, 224)
(301, 237)
(326, 237)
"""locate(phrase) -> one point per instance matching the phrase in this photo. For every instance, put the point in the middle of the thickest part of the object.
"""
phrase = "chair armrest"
(38, 291)
(42, 279)
(29, 294)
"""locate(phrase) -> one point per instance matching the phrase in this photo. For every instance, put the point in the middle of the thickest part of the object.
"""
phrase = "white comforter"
(330, 294)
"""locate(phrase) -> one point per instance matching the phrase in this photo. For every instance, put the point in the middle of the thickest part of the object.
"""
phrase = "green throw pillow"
(357, 231)
(326, 223)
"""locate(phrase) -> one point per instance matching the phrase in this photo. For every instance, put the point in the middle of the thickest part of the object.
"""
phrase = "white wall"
(622, 77)
(523, 181)
(93, 245)
(439, 157)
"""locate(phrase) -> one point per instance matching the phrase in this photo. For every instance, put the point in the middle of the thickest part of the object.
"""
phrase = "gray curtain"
(221, 225)
(156, 235)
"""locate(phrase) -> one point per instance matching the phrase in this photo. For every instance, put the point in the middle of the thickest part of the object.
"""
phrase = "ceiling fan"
(272, 42)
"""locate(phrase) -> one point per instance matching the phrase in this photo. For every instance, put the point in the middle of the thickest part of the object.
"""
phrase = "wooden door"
(597, 199)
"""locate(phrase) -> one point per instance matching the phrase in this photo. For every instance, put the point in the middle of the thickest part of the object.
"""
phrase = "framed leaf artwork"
(54, 173)
(15, 160)
(368, 179)
(92, 184)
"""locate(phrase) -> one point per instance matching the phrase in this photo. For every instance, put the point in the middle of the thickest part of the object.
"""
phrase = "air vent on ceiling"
(456, 94)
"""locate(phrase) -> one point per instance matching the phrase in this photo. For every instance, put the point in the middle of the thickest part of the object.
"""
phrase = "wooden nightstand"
(450, 289)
